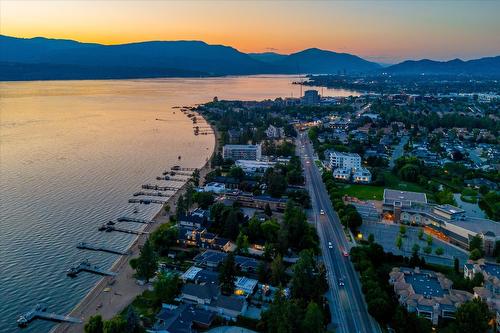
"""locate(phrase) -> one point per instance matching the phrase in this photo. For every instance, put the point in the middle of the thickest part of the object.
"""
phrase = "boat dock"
(39, 311)
(147, 201)
(109, 228)
(87, 267)
(178, 168)
(151, 194)
(133, 219)
(88, 246)
(179, 173)
(159, 187)
(171, 179)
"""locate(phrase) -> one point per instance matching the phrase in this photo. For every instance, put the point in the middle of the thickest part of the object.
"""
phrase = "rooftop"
(425, 284)
(396, 195)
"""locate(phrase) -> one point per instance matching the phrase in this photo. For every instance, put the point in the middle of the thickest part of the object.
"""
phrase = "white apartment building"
(338, 159)
(362, 175)
(274, 132)
(242, 152)
(254, 166)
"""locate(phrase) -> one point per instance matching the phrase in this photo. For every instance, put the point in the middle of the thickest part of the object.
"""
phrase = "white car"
(321, 212)
(330, 246)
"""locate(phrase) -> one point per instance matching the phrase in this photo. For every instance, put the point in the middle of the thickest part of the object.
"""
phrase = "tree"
(399, 242)
(456, 265)
(278, 274)
(308, 282)
(262, 272)
(427, 250)
(115, 325)
(313, 319)
(181, 206)
(204, 199)
(429, 240)
(283, 316)
(268, 211)
(476, 242)
(164, 238)
(227, 275)
(371, 238)
(132, 321)
(475, 254)
(472, 317)
(420, 234)
(415, 248)
(147, 263)
(166, 288)
(237, 173)
(242, 242)
(94, 325)
(402, 230)
(439, 251)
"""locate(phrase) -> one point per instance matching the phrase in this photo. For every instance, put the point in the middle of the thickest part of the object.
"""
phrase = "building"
(447, 222)
(212, 259)
(215, 187)
(490, 290)
(274, 132)
(311, 97)
(342, 174)
(234, 135)
(338, 159)
(362, 175)
(249, 166)
(195, 219)
(184, 318)
(242, 152)
(427, 293)
(246, 199)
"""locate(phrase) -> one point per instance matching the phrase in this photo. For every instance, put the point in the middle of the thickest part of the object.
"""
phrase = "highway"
(347, 305)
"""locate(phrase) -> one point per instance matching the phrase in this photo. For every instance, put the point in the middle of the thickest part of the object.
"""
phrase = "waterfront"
(72, 153)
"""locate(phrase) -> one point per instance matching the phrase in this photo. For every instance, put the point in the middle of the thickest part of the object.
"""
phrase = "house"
(342, 174)
(199, 293)
(362, 175)
(214, 187)
(234, 135)
(274, 132)
(229, 307)
(197, 219)
(212, 259)
(199, 275)
(184, 318)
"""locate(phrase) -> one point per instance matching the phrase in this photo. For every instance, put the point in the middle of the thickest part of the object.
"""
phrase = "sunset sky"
(384, 31)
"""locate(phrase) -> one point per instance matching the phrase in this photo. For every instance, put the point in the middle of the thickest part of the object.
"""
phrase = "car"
(330, 246)
(321, 212)
(341, 282)
(345, 253)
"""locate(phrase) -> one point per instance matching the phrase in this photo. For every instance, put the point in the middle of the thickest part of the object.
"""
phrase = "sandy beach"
(113, 294)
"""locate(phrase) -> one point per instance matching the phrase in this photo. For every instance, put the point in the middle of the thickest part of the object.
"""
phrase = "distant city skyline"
(382, 31)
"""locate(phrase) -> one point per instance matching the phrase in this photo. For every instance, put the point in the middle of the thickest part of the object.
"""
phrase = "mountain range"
(44, 59)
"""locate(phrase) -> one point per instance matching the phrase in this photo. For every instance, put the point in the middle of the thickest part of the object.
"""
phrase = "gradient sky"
(384, 31)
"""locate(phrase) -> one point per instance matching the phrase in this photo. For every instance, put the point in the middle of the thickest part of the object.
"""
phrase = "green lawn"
(371, 192)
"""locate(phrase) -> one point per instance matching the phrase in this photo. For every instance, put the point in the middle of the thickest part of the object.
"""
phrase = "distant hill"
(489, 66)
(43, 58)
(316, 61)
(269, 57)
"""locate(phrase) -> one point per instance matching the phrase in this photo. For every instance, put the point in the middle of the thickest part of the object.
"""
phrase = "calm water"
(71, 155)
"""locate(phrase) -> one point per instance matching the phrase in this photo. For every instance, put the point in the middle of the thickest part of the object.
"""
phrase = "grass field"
(371, 192)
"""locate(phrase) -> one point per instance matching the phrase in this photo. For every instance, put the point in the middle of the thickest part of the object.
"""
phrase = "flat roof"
(425, 284)
(450, 209)
(405, 195)
(491, 269)
(477, 225)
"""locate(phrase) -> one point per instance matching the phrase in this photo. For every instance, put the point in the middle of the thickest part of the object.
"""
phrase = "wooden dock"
(85, 266)
(179, 173)
(179, 168)
(147, 201)
(91, 247)
(170, 179)
(133, 219)
(152, 194)
(39, 311)
(108, 228)
(159, 187)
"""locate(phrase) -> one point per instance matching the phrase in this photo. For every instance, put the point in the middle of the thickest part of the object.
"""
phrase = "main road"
(347, 304)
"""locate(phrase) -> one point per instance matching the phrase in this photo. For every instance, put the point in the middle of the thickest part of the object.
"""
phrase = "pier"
(133, 219)
(151, 194)
(87, 267)
(179, 168)
(179, 173)
(159, 187)
(147, 201)
(109, 228)
(171, 179)
(88, 246)
(40, 312)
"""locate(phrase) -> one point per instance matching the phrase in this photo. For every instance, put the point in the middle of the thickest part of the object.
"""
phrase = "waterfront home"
(184, 318)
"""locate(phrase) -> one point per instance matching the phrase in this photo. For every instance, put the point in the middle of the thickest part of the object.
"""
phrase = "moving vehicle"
(321, 212)
(341, 282)
(345, 253)
(330, 246)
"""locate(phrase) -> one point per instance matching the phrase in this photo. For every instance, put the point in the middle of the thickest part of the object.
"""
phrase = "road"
(349, 311)
(398, 150)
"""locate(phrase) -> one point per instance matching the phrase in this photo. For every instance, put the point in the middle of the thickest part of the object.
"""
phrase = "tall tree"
(242, 242)
(147, 262)
(166, 288)
(94, 325)
(132, 321)
(313, 319)
(115, 325)
(278, 274)
(473, 317)
(227, 275)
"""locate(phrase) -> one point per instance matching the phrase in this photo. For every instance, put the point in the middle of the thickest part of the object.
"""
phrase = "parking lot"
(385, 234)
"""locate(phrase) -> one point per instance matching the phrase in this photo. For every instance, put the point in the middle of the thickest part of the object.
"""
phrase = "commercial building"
(249, 166)
(242, 152)
(446, 222)
(311, 97)
(427, 293)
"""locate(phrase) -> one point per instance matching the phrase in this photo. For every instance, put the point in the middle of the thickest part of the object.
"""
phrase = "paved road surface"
(349, 311)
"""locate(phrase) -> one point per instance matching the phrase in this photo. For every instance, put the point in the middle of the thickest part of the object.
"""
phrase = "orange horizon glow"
(376, 30)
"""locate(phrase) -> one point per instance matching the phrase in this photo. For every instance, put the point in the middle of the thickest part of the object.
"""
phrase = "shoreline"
(123, 286)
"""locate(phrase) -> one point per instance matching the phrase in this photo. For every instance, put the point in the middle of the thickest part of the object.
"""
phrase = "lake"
(71, 155)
